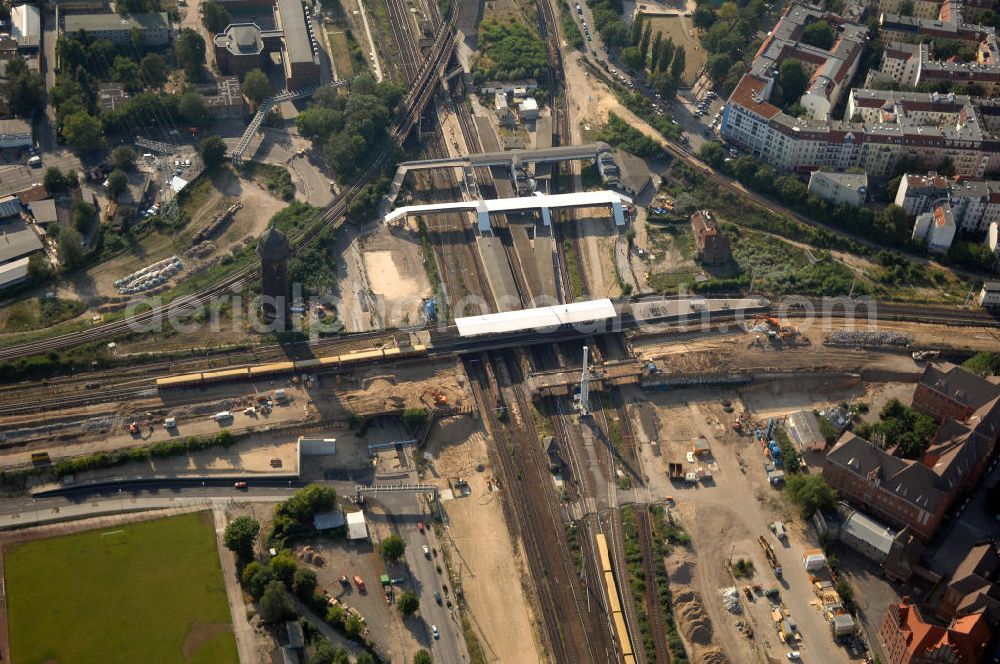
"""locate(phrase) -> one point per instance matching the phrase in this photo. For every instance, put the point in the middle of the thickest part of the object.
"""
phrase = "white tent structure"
(356, 527)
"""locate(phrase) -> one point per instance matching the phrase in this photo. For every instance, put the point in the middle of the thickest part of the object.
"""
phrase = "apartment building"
(909, 639)
(914, 64)
(153, 28)
(929, 9)
(975, 203)
(935, 228)
(837, 188)
(879, 128)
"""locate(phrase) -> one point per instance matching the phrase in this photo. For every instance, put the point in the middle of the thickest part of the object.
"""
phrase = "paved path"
(245, 641)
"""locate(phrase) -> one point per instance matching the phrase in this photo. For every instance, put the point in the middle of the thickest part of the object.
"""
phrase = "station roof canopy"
(536, 319)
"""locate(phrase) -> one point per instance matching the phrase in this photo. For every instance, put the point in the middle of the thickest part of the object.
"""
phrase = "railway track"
(656, 624)
(571, 634)
(75, 401)
(332, 216)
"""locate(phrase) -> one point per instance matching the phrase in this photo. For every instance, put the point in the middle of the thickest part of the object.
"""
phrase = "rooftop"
(114, 22)
(13, 272)
(297, 35)
(241, 39)
(26, 25)
(536, 319)
(866, 529)
(18, 243)
(14, 127)
(44, 211)
(959, 385)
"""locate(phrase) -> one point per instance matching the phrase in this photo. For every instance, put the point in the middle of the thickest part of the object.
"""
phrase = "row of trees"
(887, 226)
(349, 127)
(86, 62)
(728, 35)
(609, 23)
(276, 583)
(663, 60)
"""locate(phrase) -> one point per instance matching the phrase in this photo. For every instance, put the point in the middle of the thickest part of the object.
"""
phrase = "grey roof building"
(153, 27)
(837, 188)
(44, 211)
(18, 244)
(13, 273)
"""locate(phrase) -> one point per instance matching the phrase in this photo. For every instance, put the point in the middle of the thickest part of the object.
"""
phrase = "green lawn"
(145, 592)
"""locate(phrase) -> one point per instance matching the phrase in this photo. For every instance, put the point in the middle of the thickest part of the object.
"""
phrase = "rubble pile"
(870, 338)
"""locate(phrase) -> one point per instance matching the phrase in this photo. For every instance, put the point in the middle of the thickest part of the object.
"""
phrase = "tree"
(71, 251)
(123, 158)
(811, 493)
(304, 583)
(117, 183)
(635, 34)
(353, 626)
(983, 364)
(704, 17)
(718, 65)
(213, 152)
(335, 614)
(239, 536)
(392, 548)
(666, 55)
(215, 17)
(276, 604)
(84, 216)
(255, 578)
(193, 109)
(905, 8)
(190, 49)
(154, 69)
(83, 131)
(364, 658)
(327, 653)
(632, 58)
(654, 50)
(678, 63)
(283, 567)
(793, 80)
(818, 34)
(25, 89)
(712, 154)
(647, 37)
(408, 603)
(54, 180)
(39, 268)
(128, 72)
(256, 86)
(422, 657)
(414, 418)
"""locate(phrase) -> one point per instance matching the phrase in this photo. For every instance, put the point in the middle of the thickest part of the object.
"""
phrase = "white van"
(170, 423)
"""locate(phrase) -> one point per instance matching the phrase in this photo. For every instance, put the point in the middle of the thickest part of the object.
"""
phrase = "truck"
(772, 560)
(779, 530)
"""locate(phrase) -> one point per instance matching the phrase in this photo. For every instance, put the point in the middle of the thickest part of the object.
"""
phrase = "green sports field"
(151, 591)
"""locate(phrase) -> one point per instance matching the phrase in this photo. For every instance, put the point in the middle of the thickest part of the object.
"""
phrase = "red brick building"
(908, 639)
(949, 391)
(901, 492)
(713, 246)
(973, 587)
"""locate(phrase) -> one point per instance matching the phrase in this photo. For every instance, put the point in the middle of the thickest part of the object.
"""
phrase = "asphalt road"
(424, 579)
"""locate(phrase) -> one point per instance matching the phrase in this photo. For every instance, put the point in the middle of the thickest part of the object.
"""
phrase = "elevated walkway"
(542, 203)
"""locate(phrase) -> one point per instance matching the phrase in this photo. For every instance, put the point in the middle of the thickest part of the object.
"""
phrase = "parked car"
(360, 583)
(241, 485)
(437, 597)
(427, 552)
(794, 655)
(435, 632)
(420, 526)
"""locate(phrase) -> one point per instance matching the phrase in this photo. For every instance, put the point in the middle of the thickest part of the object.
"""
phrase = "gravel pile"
(870, 338)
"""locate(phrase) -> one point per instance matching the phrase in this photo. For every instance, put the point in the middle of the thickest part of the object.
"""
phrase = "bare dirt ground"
(726, 514)
(96, 286)
(597, 234)
(489, 563)
(397, 275)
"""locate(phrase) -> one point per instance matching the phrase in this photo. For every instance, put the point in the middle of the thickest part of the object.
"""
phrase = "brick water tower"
(274, 250)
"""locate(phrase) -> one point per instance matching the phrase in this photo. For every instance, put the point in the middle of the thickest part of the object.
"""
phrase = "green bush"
(509, 51)
(622, 135)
